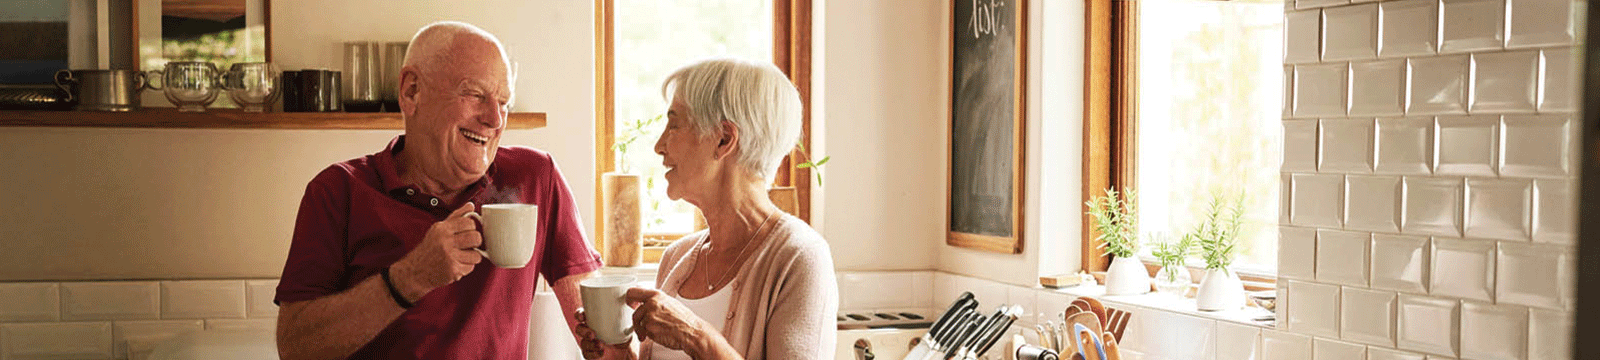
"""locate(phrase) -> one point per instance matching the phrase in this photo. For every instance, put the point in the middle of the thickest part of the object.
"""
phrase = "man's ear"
(408, 89)
(728, 141)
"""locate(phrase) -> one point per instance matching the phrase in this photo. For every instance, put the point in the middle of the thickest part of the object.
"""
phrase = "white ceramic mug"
(606, 310)
(509, 233)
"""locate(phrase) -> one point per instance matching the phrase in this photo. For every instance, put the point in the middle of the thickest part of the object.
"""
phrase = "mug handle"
(151, 84)
(474, 215)
(140, 80)
(61, 82)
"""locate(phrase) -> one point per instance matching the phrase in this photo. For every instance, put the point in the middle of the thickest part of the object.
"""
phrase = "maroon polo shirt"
(358, 217)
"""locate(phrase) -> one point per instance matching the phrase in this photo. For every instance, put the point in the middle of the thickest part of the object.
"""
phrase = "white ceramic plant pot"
(1220, 290)
(1127, 276)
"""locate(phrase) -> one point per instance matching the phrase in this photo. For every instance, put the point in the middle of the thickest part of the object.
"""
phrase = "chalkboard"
(986, 124)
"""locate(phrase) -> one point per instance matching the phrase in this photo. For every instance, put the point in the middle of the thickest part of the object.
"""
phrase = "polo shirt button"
(433, 201)
(411, 191)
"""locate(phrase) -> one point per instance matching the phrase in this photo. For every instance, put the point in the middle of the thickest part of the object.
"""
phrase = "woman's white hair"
(755, 96)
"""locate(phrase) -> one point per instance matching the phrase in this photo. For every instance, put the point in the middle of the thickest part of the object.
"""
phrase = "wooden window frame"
(791, 52)
(1110, 134)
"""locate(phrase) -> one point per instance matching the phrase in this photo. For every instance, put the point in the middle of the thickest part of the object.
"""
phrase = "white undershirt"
(714, 309)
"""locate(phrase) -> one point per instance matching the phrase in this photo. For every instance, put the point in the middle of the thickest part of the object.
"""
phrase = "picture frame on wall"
(987, 125)
(39, 38)
(222, 32)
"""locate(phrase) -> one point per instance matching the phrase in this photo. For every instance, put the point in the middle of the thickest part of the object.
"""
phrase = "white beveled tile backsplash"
(1462, 185)
(97, 320)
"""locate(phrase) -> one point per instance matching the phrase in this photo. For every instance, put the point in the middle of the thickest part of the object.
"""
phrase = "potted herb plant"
(1173, 278)
(1115, 218)
(1217, 236)
(624, 212)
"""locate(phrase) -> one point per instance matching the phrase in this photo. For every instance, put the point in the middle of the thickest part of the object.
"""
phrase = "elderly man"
(382, 262)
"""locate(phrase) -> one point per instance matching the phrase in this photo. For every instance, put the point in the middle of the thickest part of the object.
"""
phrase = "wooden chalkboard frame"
(961, 232)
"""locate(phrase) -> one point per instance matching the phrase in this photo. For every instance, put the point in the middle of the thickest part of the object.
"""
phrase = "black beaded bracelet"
(395, 292)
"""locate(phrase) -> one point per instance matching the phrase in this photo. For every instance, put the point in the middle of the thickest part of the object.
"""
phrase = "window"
(639, 43)
(1192, 109)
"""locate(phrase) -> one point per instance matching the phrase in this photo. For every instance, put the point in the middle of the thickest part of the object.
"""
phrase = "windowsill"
(646, 272)
(1167, 303)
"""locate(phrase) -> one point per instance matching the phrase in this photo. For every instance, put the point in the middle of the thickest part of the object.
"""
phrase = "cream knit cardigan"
(785, 296)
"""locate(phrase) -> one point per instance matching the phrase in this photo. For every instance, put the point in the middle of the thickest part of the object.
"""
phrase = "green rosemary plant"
(1117, 222)
(1217, 234)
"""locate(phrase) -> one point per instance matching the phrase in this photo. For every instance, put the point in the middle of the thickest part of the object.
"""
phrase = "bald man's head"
(432, 46)
(455, 93)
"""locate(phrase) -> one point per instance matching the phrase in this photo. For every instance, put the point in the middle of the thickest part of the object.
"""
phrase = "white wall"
(1052, 222)
(878, 77)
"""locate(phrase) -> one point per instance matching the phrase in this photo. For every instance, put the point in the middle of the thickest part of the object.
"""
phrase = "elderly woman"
(759, 283)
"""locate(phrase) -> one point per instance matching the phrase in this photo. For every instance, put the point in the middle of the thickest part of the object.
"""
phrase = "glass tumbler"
(362, 74)
(191, 85)
(253, 86)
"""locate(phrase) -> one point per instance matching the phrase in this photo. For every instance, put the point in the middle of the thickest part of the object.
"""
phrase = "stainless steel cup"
(102, 90)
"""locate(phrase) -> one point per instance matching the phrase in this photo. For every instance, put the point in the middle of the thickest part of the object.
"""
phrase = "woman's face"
(689, 158)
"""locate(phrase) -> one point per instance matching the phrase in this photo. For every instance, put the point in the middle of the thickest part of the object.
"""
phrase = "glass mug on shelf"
(253, 86)
(191, 85)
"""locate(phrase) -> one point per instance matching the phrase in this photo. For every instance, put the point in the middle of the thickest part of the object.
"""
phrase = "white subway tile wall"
(1471, 25)
(1388, 354)
(1342, 257)
(1283, 345)
(1559, 90)
(1536, 23)
(1346, 145)
(1237, 341)
(1542, 273)
(1428, 324)
(1325, 349)
(59, 340)
(148, 331)
(1438, 85)
(1297, 253)
(1314, 309)
(1504, 82)
(100, 301)
(1400, 262)
(1371, 320)
(1535, 146)
(1554, 211)
(1405, 146)
(1549, 334)
(1463, 268)
(30, 302)
(202, 299)
(1350, 32)
(1372, 203)
(98, 320)
(1468, 197)
(1382, 87)
(1491, 331)
(1409, 28)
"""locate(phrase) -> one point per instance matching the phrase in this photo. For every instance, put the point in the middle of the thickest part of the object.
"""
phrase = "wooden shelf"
(227, 119)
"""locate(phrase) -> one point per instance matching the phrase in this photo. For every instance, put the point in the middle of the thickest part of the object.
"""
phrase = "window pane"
(1210, 80)
(654, 37)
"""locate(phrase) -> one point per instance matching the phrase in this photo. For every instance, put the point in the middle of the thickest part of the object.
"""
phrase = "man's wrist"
(403, 280)
(394, 291)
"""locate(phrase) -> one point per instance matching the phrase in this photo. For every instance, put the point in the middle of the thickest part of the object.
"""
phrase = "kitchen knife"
(1000, 330)
(960, 351)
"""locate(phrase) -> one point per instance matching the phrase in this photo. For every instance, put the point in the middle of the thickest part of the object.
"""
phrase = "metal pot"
(102, 90)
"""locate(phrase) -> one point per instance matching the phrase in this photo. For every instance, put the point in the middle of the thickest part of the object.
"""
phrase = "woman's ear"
(728, 141)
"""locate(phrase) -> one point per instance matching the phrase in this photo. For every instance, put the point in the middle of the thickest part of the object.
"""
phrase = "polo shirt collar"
(389, 175)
